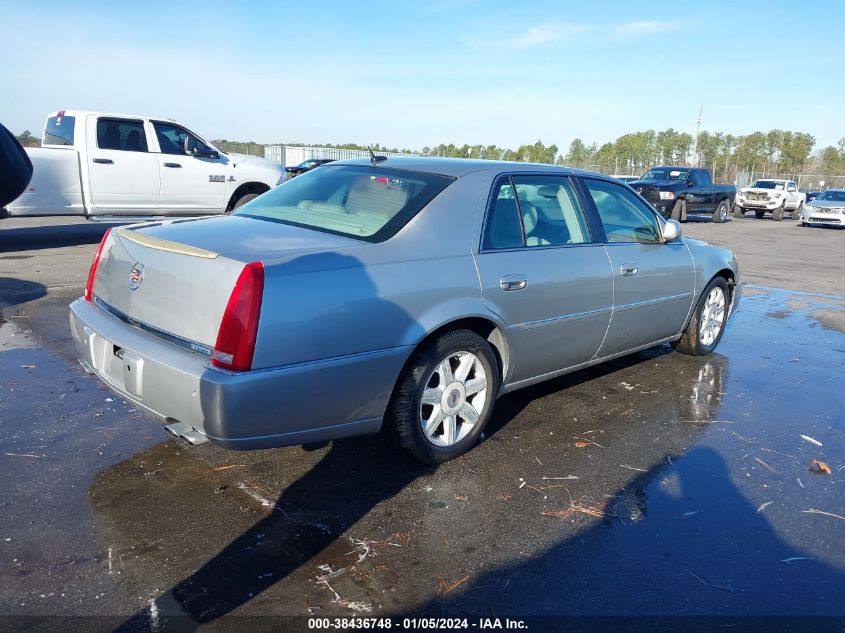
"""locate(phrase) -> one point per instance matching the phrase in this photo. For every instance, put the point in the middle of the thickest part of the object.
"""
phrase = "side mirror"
(672, 231)
(190, 145)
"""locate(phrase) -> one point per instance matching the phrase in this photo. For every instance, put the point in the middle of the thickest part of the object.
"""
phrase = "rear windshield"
(59, 130)
(368, 203)
(766, 184)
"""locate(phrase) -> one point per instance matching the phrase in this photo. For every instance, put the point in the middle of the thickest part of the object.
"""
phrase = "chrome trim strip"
(578, 315)
(191, 346)
(632, 306)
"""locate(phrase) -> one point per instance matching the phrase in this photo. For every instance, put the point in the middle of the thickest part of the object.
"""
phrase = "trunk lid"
(175, 278)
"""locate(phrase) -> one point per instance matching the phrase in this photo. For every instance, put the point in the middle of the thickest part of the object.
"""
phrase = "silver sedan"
(401, 293)
(826, 209)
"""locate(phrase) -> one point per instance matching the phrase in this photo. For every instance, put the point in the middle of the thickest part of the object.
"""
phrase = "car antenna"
(373, 158)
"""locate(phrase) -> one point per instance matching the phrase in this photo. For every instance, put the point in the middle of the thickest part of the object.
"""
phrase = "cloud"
(533, 36)
(645, 27)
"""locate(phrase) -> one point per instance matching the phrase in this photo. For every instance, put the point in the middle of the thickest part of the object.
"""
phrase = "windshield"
(368, 203)
(832, 196)
(766, 184)
(664, 173)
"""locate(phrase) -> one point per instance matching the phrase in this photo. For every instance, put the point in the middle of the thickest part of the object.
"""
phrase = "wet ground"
(655, 485)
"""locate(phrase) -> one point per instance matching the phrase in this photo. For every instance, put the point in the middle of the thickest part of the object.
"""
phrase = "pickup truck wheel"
(739, 212)
(759, 213)
(244, 199)
(796, 212)
(708, 321)
(444, 397)
(679, 211)
(777, 214)
(721, 212)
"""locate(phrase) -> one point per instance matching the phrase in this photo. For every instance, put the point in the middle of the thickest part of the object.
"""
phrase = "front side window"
(171, 139)
(625, 217)
(59, 130)
(368, 203)
(121, 134)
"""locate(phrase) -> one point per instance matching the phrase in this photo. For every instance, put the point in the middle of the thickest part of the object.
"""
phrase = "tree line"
(759, 153)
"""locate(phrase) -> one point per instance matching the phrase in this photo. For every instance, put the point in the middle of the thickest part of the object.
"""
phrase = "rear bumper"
(283, 406)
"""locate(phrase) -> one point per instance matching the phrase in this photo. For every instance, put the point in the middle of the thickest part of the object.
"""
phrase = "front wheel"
(708, 321)
(777, 214)
(721, 212)
(679, 211)
(444, 397)
(244, 199)
(739, 212)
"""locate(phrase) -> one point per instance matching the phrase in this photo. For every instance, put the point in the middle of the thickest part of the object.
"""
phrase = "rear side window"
(504, 230)
(121, 134)
(368, 203)
(59, 130)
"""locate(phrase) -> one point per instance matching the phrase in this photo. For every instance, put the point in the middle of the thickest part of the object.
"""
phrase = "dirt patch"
(749, 292)
(830, 319)
(778, 314)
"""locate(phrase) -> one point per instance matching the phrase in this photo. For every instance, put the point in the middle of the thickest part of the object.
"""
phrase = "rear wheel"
(721, 212)
(708, 321)
(796, 212)
(445, 397)
(739, 212)
(777, 214)
(679, 211)
(759, 213)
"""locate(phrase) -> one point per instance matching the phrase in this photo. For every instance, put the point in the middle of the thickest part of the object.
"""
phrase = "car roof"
(457, 167)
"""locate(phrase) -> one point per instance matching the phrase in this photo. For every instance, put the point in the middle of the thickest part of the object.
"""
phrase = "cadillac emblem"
(136, 276)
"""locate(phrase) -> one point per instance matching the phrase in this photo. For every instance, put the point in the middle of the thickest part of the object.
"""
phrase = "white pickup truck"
(95, 164)
(770, 194)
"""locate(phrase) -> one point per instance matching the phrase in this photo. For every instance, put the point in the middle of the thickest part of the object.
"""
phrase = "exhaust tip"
(187, 433)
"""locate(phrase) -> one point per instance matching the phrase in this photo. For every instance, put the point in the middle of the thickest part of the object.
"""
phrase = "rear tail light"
(92, 272)
(238, 330)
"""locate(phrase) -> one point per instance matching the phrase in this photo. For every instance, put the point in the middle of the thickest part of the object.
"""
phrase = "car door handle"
(629, 270)
(176, 165)
(513, 282)
(104, 161)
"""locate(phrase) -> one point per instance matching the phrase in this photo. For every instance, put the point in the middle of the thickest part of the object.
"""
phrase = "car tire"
(424, 375)
(679, 211)
(796, 212)
(759, 213)
(739, 212)
(777, 214)
(705, 330)
(721, 212)
(244, 199)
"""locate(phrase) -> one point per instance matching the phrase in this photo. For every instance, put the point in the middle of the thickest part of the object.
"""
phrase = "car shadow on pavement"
(33, 238)
(678, 540)
(15, 291)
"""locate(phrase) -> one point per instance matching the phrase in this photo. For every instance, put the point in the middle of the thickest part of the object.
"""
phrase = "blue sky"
(420, 73)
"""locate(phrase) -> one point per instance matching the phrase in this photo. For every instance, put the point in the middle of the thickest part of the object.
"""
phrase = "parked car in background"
(626, 179)
(408, 293)
(678, 191)
(772, 195)
(96, 164)
(827, 209)
(812, 195)
(306, 165)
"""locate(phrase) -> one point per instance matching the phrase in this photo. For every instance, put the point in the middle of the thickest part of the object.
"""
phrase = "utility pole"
(697, 132)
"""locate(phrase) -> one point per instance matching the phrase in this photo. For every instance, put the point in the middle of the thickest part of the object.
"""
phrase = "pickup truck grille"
(753, 195)
(652, 194)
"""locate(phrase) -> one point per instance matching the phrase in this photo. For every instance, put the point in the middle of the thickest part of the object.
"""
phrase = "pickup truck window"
(59, 130)
(171, 138)
(121, 134)
(702, 178)
(663, 173)
(624, 216)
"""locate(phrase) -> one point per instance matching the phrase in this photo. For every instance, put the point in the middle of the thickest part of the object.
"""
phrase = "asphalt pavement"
(656, 485)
